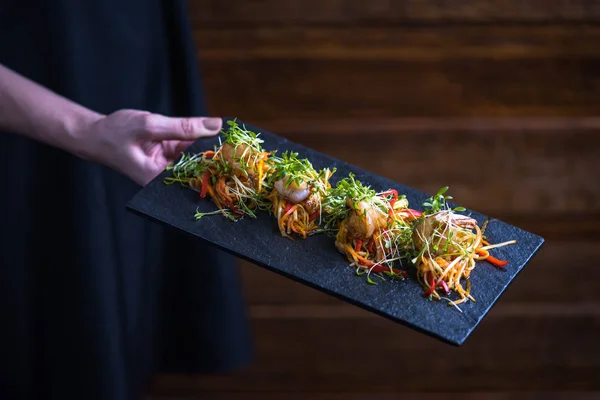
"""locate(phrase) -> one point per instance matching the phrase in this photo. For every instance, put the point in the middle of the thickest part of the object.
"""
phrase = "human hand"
(140, 144)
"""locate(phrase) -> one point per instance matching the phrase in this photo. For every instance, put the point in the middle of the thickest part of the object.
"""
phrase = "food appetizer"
(234, 175)
(297, 193)
(373, 230)
(447, 245)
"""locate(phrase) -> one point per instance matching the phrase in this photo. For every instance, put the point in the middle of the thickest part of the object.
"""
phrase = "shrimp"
(235, 156)
(443, 232)
(293, 192)
(365, 219)
(312, 202)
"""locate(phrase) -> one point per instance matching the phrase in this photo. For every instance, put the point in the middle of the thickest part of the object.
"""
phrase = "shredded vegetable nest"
(373, 229)
(297, 193)
(447, 246)
(234, 175)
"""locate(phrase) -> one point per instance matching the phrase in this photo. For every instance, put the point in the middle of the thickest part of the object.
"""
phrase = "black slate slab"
(315, 261)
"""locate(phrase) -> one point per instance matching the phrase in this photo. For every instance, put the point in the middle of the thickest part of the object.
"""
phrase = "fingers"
(158, 127)
(172, 149)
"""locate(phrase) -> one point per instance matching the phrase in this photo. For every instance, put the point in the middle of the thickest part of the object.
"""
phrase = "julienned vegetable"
(374, 230)
(371, 228)
(446, 246)
(298, 190)
(234, 175)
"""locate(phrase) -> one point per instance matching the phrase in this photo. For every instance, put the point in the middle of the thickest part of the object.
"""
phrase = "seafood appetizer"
(234, 175)
(373, 230)
(297, 194)
(446, 246)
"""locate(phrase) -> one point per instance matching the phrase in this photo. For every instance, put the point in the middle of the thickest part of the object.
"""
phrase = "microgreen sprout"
(226, 213)
(299, 171)
(187, 167)
(349, 192)
(237, 135)
(438, 202)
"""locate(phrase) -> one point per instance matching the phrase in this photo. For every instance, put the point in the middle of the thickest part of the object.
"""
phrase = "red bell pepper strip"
(233, 208)
(445, 286)
(394, 199)
(380, 268)
(205, 178)
(496, 262)
(357, 245)
(288, 207)
(431, 289)
(414, 213)
(394, 193)
(313, 216)
(493, 260)
(370, 245)
(408, 212)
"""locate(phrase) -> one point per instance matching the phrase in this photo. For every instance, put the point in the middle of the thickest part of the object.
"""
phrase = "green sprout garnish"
(187, 167)
(400, 239)
(298, 171)
(443, 235)
(226, 213)
(292, 168)
(248, 198)
(335, 204)
(438, 202)
(237, 135)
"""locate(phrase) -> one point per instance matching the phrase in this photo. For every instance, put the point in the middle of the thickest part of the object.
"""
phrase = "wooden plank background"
(500, 99)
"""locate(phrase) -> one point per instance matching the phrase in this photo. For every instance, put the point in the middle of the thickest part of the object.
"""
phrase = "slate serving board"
(316, 262)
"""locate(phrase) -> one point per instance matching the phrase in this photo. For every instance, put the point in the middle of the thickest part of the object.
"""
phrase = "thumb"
(159, 127)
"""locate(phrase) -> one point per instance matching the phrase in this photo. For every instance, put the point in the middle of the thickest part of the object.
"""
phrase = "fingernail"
(212, 124)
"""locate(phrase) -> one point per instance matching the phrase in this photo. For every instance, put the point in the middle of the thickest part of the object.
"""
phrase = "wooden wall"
(500, 99)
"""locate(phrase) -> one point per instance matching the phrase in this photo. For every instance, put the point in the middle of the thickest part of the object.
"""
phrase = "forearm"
(32, 110)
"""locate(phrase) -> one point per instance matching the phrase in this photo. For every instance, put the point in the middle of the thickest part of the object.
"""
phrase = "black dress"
(94, 298)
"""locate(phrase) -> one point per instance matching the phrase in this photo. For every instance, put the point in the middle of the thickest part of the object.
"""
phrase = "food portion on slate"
(234, 175)
(373, 230)
(297, 194)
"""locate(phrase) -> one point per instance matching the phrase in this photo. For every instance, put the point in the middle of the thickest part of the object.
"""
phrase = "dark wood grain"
(308, 88)
(554, 125)
(227, 395)
(372, 355)
(324, 72)
(354, 12)
(399, 43)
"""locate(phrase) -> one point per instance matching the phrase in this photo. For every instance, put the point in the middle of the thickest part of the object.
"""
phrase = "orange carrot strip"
(212, 194)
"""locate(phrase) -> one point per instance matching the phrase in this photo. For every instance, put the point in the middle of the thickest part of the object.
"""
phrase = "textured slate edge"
(457, 341)
(313, 285)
